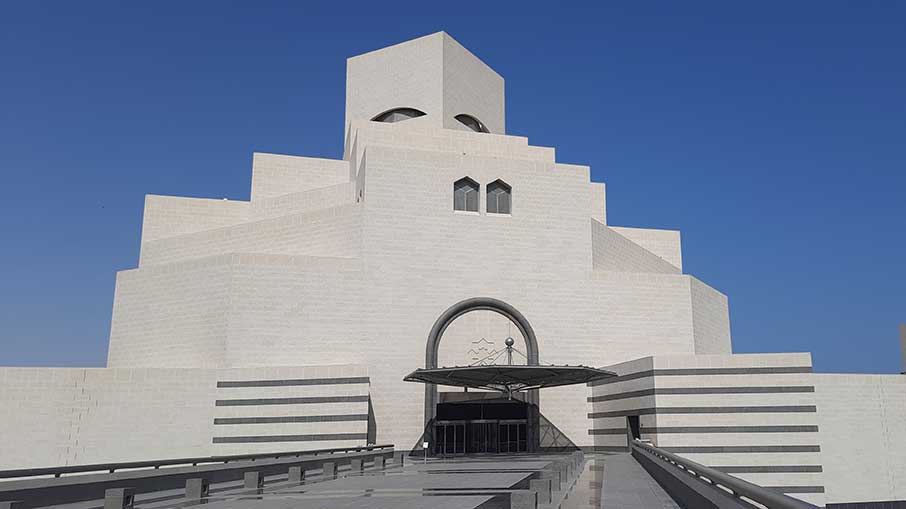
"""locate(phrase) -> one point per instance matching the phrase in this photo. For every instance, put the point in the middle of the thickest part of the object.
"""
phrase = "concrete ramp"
(628, 486)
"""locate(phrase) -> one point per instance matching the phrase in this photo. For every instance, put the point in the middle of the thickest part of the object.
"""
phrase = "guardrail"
(118, 483)
(156, 464)
(740, 492)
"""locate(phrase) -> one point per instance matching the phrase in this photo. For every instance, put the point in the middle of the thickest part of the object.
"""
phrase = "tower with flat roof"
(433, 77)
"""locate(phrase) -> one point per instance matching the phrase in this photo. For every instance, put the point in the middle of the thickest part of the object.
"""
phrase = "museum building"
(441, 250)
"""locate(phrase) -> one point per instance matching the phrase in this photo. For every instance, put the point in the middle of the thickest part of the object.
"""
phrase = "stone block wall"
(665, 244)
(278, 174)
(169, 216)
(752, 416)
(328, 232)
(863, 436)
(471, 87)
(173, 315)
(411, 222)
(304, 201)
(612, 251)
(710, 319)
(70, 416)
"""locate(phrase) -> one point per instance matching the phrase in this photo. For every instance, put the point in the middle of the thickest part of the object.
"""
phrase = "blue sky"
(773, 134)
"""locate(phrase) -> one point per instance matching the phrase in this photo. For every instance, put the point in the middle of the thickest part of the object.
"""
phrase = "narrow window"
(499, 199)
(465, 195)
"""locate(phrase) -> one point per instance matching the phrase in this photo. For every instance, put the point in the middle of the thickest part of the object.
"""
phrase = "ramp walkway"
(379, 477)
(626, 485)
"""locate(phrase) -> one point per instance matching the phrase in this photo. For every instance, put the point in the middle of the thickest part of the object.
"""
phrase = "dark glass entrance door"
(511, 436)
(481, 427)
(450, 438)
(482, 437)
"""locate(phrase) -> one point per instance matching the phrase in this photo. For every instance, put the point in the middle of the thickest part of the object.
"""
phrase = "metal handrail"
(736, 486)
(112, 467)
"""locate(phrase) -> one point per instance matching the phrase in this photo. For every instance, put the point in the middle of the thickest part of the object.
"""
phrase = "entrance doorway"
(487, 426)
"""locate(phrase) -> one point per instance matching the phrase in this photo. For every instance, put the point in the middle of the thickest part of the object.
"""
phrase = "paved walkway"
(457, 483)
(606, 481)
(628, 486)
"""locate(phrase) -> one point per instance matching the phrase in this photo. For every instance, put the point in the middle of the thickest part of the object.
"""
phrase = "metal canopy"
(508, 378)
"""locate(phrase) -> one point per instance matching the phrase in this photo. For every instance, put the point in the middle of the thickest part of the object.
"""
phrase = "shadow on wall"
(552, 439)
(372, 424)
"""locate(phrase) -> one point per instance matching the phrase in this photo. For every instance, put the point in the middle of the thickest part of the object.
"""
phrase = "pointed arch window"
(398, 115)
(465, 195)
(499, 197)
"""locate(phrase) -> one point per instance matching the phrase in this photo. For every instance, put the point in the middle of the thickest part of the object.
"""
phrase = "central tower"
(443, 82)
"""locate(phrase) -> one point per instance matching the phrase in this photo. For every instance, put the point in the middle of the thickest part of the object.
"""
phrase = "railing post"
(356, 465)
(297, 474)
(196, 490)
(119, 498)
(523, 499)
(554, 476)
(543, 488)
(380, 462)
(329, 470)
(564, 474)
(253, 481)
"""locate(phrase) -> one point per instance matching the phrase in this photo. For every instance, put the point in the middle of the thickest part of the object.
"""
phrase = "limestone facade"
(344, 265)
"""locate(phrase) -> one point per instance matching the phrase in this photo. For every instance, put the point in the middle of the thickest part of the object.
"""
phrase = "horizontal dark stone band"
(292, 419)
(731, 429)
(743, 448)
(291, 401)
(608, 431)
(610, 448)
(782, 389)
(769, 469)
(780, 370)
(885, 504)
(709, 429)
(290, 438)
(707, 410)
(797, 489)
(300, 381)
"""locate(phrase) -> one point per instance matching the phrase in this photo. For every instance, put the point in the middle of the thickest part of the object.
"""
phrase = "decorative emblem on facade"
(481, 350)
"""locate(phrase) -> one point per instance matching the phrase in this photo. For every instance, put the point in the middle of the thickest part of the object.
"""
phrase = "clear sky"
(773, 134)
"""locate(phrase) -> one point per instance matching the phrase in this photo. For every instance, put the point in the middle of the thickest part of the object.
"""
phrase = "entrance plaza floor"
(603, 481)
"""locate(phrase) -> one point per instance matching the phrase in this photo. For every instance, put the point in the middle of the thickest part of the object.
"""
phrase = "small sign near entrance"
(424, 445)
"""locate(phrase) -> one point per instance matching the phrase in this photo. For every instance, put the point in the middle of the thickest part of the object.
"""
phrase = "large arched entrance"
(529, 406)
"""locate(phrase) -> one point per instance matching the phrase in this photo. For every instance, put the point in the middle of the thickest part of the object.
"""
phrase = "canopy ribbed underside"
(508, 378)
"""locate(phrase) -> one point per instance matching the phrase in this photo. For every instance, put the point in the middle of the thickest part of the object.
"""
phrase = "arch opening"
(398, 115)
(529, 404)
(471, 122)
